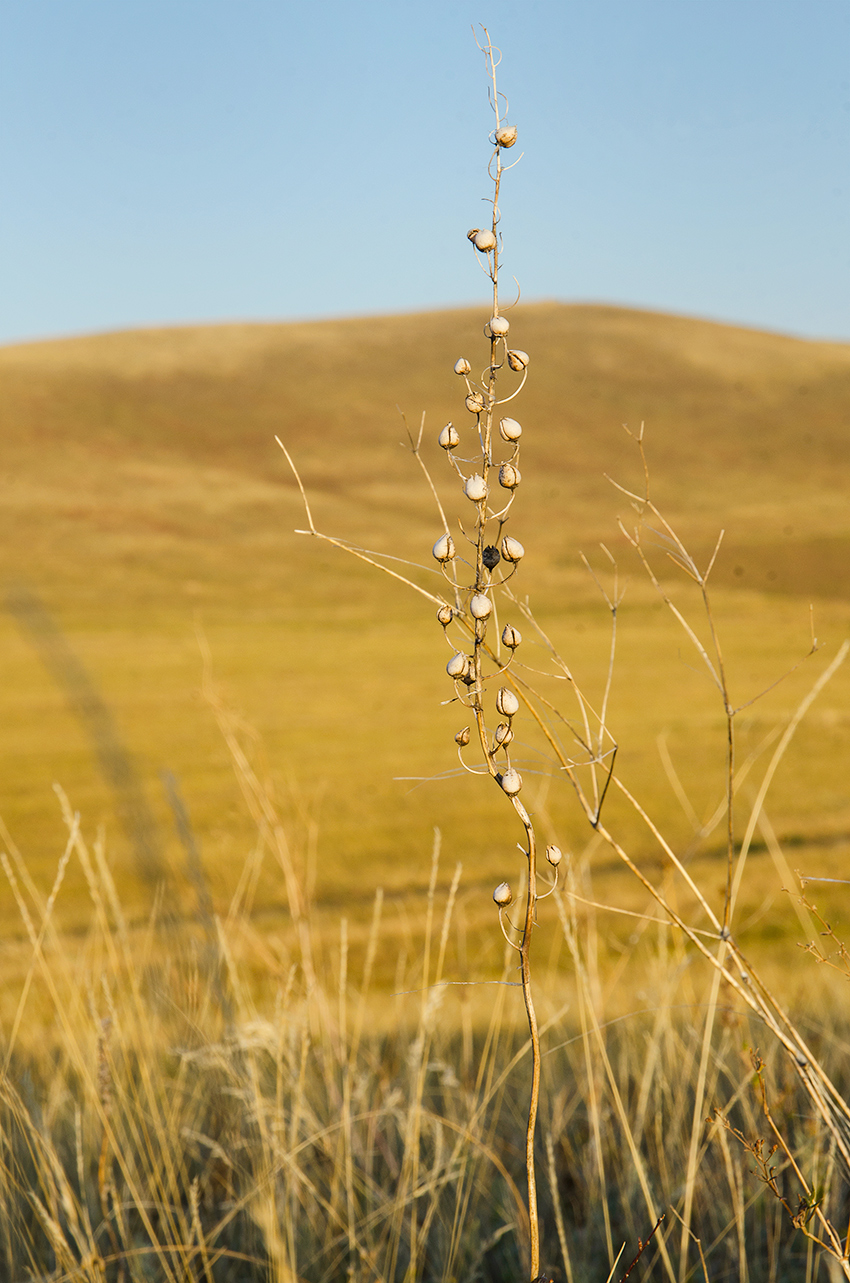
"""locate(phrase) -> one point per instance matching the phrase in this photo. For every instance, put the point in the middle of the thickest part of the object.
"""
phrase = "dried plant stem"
(534, 1034)
(481, 653)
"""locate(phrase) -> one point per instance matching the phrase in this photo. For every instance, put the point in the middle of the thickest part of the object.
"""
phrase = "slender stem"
(534, 1034)
(730, 810)
(531, 894)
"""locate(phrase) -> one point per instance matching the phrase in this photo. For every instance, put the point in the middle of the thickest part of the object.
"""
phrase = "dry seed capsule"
(512, 549)
(462, 366)
(480, 606)
(475, 487)
(553, 855)
(498, 327)
(444, 549)
(506, 702)
(511, 782)
(509, 476)
(511, 637)
(462, 737)
(474, 403)
(445, 615)
(458, 666)
(510, 430)
(503, 735)
(491, 557)
(484, 240)
(472, 233)
(503, 895)
(506, 136)
(449, 438)
(518, 360)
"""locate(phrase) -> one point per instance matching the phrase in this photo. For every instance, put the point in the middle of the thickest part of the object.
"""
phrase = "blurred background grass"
(144, 501)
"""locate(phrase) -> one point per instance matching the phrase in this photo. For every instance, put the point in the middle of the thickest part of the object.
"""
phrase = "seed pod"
(444, 548)
(472, 233)
(518, 360)
(480, 606)
(462, 737)
(511, 637)
(506, 136)
(498, 327)
(484, 240)
(474, 403)
(491, 557)
(553, 855)
(509, 476)
(506, 702)
(445, 615)
(503, 895)
(462, 366)
(503, 735)
(458, 666)
(512, 549)
(449, 438)
(511, 782)
(510, 430)
(475, 487)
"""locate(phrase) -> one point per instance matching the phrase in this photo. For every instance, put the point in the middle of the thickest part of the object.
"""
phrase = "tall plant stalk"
(494, 563)
(467, 610)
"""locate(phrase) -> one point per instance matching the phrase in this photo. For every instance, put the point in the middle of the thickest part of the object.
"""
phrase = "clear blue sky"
(191, 160)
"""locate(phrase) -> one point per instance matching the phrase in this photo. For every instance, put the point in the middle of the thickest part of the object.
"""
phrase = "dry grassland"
(143, 499)
(227, 1054)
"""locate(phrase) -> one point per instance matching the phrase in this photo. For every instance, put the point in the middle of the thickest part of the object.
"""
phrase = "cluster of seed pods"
(485, 457)
(490, 484)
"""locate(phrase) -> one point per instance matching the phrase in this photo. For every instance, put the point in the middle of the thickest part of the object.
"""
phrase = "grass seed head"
(484, 240)
(512, 549)
(509, 476)
(506, 136)
(444, 549)
(510, 430)
(503, 895)
(506, 702)
(459, 666)
(475, 488)
(511, 782)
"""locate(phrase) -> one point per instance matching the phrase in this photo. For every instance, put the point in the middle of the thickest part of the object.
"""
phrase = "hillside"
(143, 497)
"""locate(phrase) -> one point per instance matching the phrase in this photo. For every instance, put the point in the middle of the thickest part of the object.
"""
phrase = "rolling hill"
(144, 502)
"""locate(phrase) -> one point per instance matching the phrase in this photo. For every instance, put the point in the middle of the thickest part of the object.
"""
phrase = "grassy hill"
(144, 500)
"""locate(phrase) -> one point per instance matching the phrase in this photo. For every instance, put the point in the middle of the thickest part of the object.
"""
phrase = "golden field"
(266, 1040)
(144, 501)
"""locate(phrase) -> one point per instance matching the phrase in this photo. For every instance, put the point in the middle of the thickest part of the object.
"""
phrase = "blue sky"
(197, 160)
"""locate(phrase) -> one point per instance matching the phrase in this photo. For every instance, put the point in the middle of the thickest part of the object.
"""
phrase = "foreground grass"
(211, 1101)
